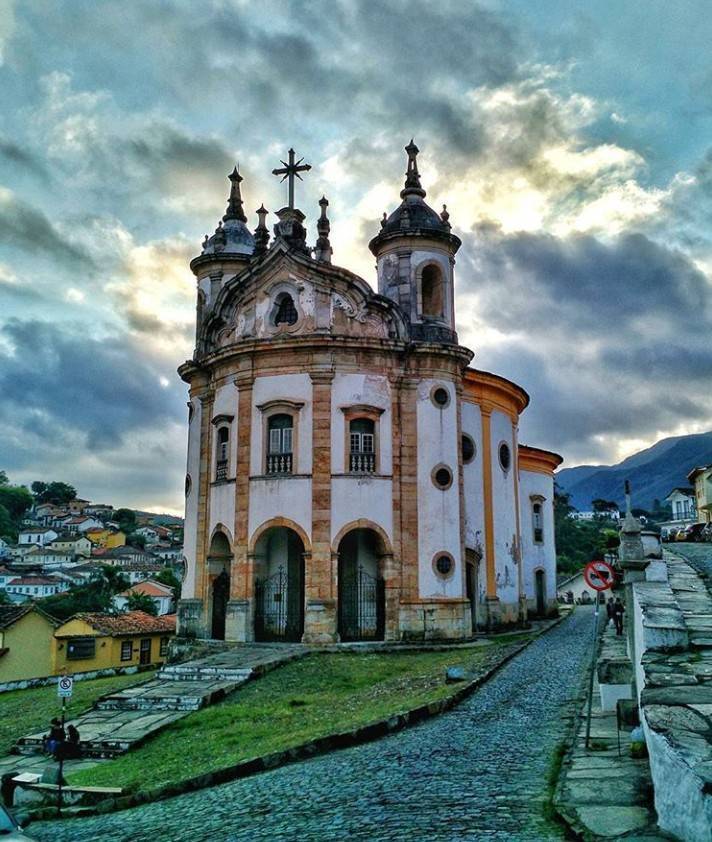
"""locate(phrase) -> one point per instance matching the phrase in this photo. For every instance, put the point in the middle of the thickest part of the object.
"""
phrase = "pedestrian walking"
(618, 616)
(610, 613)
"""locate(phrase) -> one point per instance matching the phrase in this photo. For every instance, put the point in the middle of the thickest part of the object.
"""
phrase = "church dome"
(232, 236)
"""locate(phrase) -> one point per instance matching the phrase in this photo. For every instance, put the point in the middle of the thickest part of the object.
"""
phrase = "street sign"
(598, 575)
(65, 686)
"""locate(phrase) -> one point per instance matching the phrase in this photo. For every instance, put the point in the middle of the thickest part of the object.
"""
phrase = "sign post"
(65, 685)
(599, 576)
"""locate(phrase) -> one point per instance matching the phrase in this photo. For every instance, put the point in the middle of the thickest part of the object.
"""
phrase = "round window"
(505, 456)
(442, 477)
(440, 397)
(444, 565)
(468, 448)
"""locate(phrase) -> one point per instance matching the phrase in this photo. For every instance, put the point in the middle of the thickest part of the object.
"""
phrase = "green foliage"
(126, 518)
(15, 500)
(141, 602)
(169, 578)
(600, 505)
(133, 539)
(578, 541)
(3, 478)
(4, 598)
(58, 493)
(94, 595)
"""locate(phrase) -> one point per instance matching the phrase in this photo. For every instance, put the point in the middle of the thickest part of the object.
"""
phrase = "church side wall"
(538, 556)
(190, 533)
(505, 519)
(438, 510)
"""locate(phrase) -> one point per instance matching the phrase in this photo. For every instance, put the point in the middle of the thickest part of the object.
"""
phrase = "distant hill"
(652, 472)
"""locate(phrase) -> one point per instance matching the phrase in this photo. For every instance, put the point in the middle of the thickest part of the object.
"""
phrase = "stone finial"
(290, 229)
(384, 220)
(219, 239)
(234, 203)
(413, 186)
(323, 250)
(445, 216)
(261, 232)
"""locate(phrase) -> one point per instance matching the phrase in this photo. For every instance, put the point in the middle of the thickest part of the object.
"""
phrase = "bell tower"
(415, 252)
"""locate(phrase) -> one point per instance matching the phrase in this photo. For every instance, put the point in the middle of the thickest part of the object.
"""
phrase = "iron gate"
(279, 613)
(362, 607)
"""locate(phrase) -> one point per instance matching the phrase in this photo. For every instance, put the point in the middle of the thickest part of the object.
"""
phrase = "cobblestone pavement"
(698, 555)
(477, 773)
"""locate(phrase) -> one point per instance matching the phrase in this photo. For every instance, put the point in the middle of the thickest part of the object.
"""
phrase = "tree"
(15, 500)
(141, 602)
(4, 598)
(95, 595)
(126, 518)
(59, 493)
(600, 505)
(133, 539)
(577, 541)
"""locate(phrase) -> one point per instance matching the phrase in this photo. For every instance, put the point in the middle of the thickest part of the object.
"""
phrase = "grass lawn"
(25, 712)
(313, 697)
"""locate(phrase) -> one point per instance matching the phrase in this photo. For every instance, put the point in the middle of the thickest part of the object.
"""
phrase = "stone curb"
(321, 745)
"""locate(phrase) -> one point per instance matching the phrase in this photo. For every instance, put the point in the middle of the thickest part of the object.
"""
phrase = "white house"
(77, 544)
(22, 588)
(37, 535)
(80, 523)
(149, 534)
(161, 595)
(683, 504)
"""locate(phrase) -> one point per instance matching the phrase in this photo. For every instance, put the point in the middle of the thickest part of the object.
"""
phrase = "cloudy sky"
(571, 141)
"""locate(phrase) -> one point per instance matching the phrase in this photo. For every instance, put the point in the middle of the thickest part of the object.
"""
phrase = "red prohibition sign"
(598, 575)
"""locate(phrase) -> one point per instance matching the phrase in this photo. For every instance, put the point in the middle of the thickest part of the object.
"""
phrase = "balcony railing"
(221, 471)
(362, 463)
(279, 463)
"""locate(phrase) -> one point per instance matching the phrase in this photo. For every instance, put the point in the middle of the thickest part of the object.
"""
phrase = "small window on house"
(538, 523)
(431, 291)
(163, 651)
(286, 311)
(126, 650)
(223, 453)
(280, 429)
(80, 648)
(362, 446)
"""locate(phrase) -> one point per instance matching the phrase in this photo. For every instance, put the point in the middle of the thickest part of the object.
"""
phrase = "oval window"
(441, 397)
(442, 477)
(444, 565)
(505, 456)
(468, 448)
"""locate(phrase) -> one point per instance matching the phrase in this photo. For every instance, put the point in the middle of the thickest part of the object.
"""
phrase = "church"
(350, 475)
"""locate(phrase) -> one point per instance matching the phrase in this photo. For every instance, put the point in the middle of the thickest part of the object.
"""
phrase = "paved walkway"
(476, 773)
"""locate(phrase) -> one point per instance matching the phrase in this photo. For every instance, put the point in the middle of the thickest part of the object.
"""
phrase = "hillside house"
(701, 478)
(77, 545)
(24, 588)
(161, 595)
(37, 535)
(26, 643)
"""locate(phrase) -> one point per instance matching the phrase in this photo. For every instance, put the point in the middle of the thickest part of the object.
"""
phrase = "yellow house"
(701, 478)
(106, 538)
(26, 642)
(88, 642)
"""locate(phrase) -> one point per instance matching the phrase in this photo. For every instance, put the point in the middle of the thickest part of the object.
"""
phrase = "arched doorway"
(362, 594)
(219, 558)
(540, 591)
(279, 585)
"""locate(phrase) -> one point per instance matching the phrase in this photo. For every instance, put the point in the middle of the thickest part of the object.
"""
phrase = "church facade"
(350, 475)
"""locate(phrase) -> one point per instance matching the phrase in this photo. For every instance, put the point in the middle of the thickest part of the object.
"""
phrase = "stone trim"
(284, 522)
(490, 568)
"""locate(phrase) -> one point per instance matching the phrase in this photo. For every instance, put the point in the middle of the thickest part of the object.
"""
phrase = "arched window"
(286, 311)
(431, 291)
(223, 453)
(538, 523)
(362, 453)
(280, 428)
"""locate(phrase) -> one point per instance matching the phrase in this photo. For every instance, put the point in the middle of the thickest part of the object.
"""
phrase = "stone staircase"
(121, 721)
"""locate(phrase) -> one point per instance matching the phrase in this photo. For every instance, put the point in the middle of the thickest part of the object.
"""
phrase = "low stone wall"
(674, 684)
(77, 676)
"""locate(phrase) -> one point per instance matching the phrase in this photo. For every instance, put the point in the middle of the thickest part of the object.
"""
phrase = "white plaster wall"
(371, 389)
(438, 511)
(222, 496)
(190, 530)
(537, 555)
(365, 497)
(222, 507)
(503, 504)
(474, 481)
(282, 497)
(294, 387)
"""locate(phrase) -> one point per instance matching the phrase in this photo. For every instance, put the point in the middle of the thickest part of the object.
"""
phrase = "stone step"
(202, 672)
(166, 698)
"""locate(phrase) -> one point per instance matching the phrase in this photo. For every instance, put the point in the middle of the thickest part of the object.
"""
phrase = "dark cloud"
(20, 157)
(101, 388)
(25, 227)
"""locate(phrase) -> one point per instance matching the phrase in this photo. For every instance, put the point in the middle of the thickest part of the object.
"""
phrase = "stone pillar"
(517, 549)
(191, 621)
(202, 579)
(492, 600)
(633, 564)
(320, 585)
(410, 588)
(239, 621)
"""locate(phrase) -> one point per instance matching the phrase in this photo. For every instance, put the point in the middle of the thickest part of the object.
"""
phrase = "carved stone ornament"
(353, 312)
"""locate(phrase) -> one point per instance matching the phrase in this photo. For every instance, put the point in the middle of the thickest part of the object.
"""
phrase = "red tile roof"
(150, 588)
(133, 622)
(33, 580)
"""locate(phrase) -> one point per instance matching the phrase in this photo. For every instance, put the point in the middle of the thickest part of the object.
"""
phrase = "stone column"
(239, 621)
(492, 609)
(320, 585)
(633, 564)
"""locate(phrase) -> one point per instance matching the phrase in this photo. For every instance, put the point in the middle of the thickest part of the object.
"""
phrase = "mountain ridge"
(653, 473)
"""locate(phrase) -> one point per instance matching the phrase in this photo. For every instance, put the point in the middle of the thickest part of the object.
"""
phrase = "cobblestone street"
(478, 772)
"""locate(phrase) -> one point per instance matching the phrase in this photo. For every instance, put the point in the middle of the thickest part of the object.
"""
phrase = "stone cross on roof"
(292, 168)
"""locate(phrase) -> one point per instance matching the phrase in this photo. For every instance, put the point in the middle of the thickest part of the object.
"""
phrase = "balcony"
(362, 463)
(279, 463)
(221, 471)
